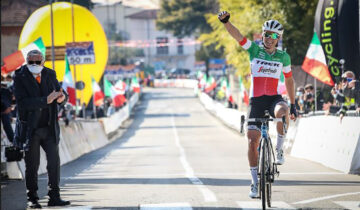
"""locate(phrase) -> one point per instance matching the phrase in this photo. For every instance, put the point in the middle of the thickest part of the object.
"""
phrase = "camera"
(13, 153)
(309, 96)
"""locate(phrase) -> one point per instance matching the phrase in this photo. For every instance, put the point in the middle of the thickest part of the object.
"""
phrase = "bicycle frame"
(266, 158)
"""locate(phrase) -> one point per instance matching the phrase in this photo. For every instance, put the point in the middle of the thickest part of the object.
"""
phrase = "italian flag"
(203, 81)
(116, 95)
(97, 93)
(120, 86)
(135, 85)
(315, 62)
(68, 83)
(210, 85)
(243, 92)
(18, 58)
(228, 92)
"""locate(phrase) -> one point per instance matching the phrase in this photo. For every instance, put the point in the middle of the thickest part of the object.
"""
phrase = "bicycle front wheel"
(263, 174)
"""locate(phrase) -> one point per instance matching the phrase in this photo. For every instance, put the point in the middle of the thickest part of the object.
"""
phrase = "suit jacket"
(32, 98)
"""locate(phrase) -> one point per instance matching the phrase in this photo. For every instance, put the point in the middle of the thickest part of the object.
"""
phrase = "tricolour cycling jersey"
(266, 69)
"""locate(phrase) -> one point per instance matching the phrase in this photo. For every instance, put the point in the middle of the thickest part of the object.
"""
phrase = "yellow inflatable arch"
(87, 28)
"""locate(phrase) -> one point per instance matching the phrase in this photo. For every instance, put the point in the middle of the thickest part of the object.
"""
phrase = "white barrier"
(79, 138)
(325, 140)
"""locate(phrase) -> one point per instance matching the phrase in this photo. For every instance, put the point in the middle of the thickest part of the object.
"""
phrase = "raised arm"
(233, 31)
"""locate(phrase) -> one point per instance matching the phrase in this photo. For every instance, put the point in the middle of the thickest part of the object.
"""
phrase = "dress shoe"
(34, 204)
(58, 202)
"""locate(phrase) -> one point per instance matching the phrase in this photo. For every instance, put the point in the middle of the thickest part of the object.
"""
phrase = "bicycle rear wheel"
(263, 174)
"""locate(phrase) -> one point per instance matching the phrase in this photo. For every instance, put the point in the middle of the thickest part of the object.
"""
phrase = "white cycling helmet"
(273, 25)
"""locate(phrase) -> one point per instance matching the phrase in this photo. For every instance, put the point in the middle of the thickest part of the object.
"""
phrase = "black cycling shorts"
(257, 108)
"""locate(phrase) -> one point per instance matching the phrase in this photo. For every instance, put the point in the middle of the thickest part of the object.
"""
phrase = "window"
(180, 47)
(162, 47)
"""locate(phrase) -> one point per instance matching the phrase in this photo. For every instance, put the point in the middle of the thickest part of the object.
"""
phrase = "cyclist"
(267, 62)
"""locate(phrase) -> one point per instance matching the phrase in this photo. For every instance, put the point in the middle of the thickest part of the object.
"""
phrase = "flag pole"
(315, 94)
(73, 40)
(52, 35)
(94, 107)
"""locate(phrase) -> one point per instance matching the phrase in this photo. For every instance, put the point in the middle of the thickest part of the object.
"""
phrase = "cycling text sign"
(80, 52)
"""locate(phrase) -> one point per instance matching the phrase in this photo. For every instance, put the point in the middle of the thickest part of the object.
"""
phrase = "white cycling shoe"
(280, 157)
(254, 191)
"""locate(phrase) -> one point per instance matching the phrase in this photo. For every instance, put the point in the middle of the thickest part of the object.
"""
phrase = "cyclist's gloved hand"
(224, 16)
(293, 110)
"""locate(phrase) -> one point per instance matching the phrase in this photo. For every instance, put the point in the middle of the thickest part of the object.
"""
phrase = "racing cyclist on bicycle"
(267, 62)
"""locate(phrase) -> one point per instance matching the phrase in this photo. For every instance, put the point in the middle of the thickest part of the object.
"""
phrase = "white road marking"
(167, 206)
(325, 198)
(71, 208)
(255, 205)
(351, 205)
(91, 176)
(209, 196)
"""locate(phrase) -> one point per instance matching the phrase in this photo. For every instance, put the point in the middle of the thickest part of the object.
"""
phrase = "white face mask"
(35, 69)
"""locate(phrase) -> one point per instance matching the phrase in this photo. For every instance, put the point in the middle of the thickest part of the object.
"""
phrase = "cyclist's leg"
(253, 135)
(280, 109)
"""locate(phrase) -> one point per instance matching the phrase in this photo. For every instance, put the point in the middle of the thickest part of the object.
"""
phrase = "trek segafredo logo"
(267, 67)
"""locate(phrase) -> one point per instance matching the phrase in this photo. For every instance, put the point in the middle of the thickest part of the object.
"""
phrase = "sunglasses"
(34, 62)
(271, 35)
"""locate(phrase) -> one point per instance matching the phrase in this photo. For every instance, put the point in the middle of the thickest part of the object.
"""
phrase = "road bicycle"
(267, 169)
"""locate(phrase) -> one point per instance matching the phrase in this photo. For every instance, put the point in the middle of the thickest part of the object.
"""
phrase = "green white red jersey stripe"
(266, 69)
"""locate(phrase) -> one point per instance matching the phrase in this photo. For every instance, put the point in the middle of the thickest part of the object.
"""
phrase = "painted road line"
(70, 208)
(209, 196)
(90, 175)
(325, 198)
(167, 206)
(255, 205)
(351, 205)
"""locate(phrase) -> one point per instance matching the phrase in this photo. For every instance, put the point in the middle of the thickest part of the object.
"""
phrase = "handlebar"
(263, 120)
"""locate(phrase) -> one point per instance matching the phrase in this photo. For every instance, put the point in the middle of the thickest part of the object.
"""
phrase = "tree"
(185, 17)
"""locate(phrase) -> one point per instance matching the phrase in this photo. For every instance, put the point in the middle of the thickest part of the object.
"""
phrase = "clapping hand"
(52, 96)
(61, 96)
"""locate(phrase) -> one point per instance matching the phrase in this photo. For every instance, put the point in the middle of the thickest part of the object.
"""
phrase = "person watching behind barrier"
(299, 98)
(347, 100)
(309, 98)
(38, 97)
(352, 90)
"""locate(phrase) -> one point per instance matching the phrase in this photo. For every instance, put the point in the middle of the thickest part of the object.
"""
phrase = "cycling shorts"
(257, 108)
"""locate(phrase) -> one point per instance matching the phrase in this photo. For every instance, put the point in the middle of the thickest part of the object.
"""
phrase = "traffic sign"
(80, 52)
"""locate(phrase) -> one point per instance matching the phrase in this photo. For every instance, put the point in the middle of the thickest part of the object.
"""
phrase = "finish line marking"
(256, 205)
(162, 206)
(209, 196)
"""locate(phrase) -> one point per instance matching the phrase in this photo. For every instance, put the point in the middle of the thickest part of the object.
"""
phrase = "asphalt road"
(175, 155)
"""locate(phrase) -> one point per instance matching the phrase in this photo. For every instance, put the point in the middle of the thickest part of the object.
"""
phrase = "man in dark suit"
(38, 95)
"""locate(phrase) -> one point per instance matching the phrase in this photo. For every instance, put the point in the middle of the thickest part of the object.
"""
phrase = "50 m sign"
(80, 52)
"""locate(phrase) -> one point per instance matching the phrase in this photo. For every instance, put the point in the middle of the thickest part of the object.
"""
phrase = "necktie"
(38, 79)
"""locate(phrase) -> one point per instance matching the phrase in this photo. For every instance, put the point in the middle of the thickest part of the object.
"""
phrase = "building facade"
(138, 25)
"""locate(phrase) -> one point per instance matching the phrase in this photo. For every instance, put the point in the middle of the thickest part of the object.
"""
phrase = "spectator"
(299, 99)
(38, 95)
(347, 101)
(6, 107)
(309, 98)
(352, 90)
